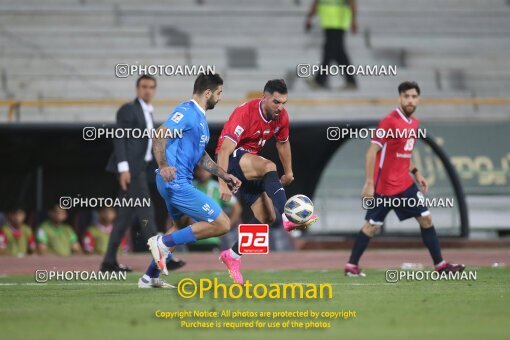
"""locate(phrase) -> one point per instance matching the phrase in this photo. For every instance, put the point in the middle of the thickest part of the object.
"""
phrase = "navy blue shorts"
(250, 191)
(406, 205)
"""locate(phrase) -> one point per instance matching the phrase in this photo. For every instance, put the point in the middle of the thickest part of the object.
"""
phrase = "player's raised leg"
(151, 277)
(185, 200)
(160, 245)
(255, 167)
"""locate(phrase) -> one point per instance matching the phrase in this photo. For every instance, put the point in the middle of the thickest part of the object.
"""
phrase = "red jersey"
(249, 129)
(391, 171)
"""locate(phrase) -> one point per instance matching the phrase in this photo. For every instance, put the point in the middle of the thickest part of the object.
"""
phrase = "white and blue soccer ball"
(299, 209)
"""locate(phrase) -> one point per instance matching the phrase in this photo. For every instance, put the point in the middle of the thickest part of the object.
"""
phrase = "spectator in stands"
(129, 161)
(97, 235)
(204, 182)
(16, 238)
(55, 236)
(336, 17)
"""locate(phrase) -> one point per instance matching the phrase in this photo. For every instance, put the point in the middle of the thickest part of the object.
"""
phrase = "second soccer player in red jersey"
(388, 180)
(243, 136)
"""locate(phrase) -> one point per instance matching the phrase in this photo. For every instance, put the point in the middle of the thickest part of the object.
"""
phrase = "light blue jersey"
(183, 151)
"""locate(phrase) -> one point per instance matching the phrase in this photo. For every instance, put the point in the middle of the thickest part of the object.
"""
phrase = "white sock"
(234, 255)
(146, 277)
(161, 244)
(440, 263)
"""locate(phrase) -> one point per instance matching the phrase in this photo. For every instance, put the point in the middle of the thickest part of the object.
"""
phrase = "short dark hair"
(146, 76)
(207, 81)
(408, 85)
(11, 209)
(276, 85)
(54, 206)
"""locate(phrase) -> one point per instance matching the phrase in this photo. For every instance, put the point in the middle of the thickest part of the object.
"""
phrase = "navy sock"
(278, 222)
(182, 236)
(430, 240)
(360, 244)
(274, 189)
(153, 270)
(235, 247)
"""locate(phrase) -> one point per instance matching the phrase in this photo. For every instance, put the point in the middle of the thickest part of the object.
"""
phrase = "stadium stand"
(69, 48)
(57, 61)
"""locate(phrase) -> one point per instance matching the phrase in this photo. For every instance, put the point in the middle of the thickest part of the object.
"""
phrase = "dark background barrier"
(42, 162)
(68, 165)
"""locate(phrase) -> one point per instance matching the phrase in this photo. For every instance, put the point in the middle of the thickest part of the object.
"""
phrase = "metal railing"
(14, 106)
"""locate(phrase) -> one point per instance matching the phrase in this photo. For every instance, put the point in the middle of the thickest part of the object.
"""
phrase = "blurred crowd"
(52, 233)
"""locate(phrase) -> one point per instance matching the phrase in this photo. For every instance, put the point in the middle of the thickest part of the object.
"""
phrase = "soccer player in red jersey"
(388, 175)
(243, 136)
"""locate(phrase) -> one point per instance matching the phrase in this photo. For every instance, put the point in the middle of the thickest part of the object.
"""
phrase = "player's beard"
(274, 115)
(409, 110)
(211, 103)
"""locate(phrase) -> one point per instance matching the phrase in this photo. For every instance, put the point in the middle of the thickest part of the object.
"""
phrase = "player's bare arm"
(368, 188)
(227, 147)
(159, 150)
(422, 182)
(285, 154)
(209, 165)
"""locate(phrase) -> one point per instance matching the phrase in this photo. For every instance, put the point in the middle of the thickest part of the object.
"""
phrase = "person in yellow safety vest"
(336, 17)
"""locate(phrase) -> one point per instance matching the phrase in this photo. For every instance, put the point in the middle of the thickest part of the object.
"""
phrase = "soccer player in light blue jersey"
(179, 146)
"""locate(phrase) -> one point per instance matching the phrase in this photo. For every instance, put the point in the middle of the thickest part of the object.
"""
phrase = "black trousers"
(138, 188)
(334, 52)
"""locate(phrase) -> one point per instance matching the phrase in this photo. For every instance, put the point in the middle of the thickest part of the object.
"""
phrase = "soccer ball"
(299, 209)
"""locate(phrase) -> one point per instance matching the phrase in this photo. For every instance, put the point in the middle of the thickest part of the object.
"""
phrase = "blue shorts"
(402, 208)
(250, 191)
(182, 198)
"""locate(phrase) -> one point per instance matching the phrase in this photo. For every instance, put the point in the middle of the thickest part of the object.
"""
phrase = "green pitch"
(119, 310)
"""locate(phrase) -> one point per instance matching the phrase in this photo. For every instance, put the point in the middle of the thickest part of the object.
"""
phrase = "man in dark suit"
(129, 161)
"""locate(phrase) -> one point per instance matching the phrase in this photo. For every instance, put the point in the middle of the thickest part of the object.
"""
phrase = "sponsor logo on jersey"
(176, 118)
(238, 131)
(404, 155)
(204, 139)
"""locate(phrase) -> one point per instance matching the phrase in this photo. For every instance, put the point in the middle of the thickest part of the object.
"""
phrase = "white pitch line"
(134, 284)
(334, 284)
(66, 284)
